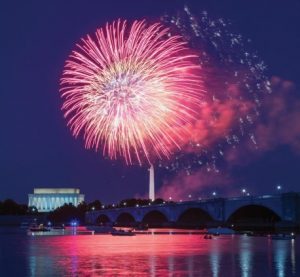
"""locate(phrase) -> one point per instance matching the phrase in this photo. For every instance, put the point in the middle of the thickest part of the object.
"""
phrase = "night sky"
(38, 150)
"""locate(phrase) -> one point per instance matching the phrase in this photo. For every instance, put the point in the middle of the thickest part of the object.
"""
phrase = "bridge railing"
(188, 202)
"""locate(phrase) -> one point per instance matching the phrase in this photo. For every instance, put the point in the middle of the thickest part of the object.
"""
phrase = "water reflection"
(293, 256)
(39, 262)
(215, 258)
(280, 256)
(151, 255)
(246, 252)
(171, 263)
(152, 260)
(190, 262)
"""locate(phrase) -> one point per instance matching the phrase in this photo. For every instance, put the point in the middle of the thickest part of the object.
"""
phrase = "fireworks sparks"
(234, 76)
(137, 92)
(131, 91)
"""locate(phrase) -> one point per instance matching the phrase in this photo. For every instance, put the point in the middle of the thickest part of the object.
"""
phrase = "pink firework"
(131, 91)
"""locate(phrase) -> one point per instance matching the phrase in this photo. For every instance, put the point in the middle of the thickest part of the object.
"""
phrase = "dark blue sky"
(36, 147)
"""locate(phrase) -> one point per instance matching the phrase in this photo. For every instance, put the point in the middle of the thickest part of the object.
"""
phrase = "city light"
(279, 187)
(74, 223)
(214, 193)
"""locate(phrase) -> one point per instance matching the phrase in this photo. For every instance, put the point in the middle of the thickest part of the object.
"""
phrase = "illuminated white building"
(48, 199)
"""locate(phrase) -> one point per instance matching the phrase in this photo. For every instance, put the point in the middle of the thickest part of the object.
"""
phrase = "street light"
(279, 187)
(190, 196)
(170, 198)
(214, 193)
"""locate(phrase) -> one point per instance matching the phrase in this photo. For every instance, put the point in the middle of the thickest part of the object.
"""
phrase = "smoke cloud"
(278, 125)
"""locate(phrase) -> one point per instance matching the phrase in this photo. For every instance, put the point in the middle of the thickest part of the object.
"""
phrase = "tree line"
(10, 207)
(69, 212)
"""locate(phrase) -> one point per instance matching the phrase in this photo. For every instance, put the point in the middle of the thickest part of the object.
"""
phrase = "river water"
(146, 255)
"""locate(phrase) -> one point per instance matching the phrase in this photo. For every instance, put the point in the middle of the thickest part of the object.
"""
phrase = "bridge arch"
(254, 212)
(253, 216)
(155, 218)
(103, 219)
(125, 219)
(194, 217)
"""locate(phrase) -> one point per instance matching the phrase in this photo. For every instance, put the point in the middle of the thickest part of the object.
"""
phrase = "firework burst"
(131, 91)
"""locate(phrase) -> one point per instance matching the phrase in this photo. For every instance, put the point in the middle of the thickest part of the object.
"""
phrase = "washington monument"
(151, 183)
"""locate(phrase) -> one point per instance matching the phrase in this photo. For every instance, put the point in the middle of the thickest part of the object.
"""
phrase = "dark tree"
(67, 213)
(158, 201)
(95, 205)
(10, 207)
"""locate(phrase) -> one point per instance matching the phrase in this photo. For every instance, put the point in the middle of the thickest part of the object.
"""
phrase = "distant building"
(48, 199)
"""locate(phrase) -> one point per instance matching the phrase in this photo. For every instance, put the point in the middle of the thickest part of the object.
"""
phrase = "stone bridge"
(283, 207)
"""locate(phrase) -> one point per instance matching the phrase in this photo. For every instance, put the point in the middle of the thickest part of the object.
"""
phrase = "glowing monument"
(151, 183)
(48, 199)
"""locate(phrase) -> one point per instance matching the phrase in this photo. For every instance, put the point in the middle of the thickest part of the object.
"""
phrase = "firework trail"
(132, 91)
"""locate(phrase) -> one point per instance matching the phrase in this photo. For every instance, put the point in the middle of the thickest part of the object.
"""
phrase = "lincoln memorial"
(48, 199)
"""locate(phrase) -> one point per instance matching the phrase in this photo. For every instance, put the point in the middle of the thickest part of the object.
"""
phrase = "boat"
(207, 236)
(283, 236)
(38, 228)
(122, 232)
